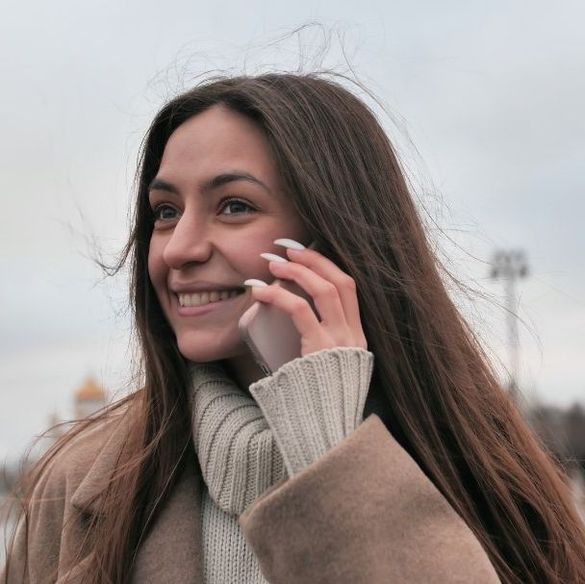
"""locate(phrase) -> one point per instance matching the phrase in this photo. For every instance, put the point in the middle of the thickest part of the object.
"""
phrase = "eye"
(238, 203)
(156, 212)
(166, 212)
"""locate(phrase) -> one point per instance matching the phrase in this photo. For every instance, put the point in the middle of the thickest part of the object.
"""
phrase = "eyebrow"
(215, 182)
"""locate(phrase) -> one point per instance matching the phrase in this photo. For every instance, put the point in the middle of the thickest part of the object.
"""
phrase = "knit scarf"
(236, 448)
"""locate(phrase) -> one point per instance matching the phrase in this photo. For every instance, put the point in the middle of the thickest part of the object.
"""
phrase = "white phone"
(270, 333)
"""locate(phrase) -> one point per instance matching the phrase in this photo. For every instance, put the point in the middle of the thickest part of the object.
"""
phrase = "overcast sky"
(486, 99)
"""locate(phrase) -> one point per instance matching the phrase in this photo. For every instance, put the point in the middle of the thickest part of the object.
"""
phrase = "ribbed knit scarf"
(236, 448)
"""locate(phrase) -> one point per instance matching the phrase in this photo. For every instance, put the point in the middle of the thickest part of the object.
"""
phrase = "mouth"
(209, 297)
(198, 304)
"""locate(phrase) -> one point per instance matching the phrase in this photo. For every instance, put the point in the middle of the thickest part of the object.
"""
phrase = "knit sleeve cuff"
(313, 402)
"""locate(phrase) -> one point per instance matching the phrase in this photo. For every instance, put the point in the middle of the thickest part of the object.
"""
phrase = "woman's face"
(218, 204)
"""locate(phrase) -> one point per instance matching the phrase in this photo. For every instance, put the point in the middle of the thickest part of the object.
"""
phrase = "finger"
(298, 309)
(324, 293)
(345, 284)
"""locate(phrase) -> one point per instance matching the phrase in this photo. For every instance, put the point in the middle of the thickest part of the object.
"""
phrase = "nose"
(189, 243)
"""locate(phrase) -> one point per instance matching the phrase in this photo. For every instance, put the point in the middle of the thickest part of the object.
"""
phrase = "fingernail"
(254, 282)
(272, 257)
(289, 243)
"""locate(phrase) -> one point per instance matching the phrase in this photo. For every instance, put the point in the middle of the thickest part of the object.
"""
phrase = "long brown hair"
(432, 385)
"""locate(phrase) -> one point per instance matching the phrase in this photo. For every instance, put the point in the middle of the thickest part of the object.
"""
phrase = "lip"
(207, 308)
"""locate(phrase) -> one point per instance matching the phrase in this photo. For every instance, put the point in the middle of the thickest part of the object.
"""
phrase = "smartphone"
(270, 333)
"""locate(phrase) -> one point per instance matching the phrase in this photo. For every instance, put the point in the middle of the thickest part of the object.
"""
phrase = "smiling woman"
(216, 161)
(386, 452)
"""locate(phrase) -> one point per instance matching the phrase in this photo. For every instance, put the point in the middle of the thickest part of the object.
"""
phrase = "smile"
(202, 298)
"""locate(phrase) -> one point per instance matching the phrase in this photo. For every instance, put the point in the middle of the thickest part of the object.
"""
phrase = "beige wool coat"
(362, 513)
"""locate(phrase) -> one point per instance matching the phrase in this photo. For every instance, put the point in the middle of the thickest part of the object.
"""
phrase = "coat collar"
(113, 435)
(171, 552)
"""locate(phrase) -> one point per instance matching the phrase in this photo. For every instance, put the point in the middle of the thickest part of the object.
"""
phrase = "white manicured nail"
(290, 243)
(254, 282)
(272, 257)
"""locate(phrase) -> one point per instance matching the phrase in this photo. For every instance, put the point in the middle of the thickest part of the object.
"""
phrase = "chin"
(199, 351)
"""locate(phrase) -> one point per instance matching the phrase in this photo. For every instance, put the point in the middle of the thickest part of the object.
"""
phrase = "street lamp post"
(510, 266)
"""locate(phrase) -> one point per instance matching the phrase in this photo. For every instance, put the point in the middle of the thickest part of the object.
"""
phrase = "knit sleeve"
(313, 402)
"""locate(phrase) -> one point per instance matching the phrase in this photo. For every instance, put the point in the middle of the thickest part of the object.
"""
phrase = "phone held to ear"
(270, 333)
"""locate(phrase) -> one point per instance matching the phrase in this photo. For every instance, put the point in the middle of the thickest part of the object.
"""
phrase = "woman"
(386, 453)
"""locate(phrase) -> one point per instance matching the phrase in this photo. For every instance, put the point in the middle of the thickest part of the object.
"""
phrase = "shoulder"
(78, 466)
(61, 488)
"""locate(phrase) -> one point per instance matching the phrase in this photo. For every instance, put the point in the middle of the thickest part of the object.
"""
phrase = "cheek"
(261, 239)
(245, 256)
(155, 266)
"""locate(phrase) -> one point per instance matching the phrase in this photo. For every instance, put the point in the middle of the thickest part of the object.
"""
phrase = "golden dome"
(90, 390)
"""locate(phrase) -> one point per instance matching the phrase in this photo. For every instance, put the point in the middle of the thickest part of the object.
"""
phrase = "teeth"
(199, 299)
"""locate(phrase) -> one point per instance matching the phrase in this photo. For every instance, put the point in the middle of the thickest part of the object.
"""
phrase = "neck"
(236, 450)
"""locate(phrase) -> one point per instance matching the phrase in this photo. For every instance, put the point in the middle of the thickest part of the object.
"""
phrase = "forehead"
(216, 139)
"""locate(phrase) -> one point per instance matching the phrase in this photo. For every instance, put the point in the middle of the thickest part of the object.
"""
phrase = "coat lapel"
(86, 495)
(171, 552)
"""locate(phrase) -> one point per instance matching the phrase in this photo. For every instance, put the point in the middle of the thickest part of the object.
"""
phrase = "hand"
(334, 295)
